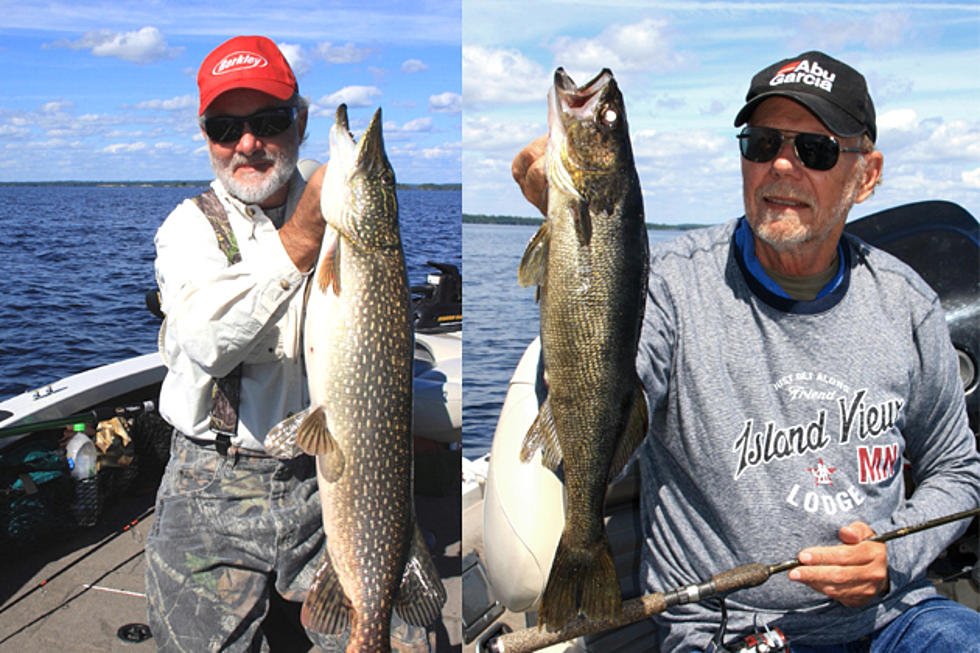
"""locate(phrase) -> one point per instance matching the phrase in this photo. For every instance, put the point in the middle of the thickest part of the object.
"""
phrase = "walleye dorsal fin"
(534, 264)
(281, 441)
(636, 430)
(421, 594)
(544, 436)
(327, 608)
(314, 438)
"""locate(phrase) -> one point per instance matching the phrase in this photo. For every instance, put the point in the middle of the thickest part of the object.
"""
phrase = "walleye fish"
(358, 349)
(589, 261)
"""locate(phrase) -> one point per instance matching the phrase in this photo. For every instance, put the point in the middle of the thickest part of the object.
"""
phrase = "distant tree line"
(192, 183)
(510, 219)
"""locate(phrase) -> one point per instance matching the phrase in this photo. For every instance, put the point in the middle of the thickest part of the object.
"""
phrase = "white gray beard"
(781, 241)
(258, 190)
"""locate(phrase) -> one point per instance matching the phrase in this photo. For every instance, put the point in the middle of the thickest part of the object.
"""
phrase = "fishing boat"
(74, 588)
(508, 545)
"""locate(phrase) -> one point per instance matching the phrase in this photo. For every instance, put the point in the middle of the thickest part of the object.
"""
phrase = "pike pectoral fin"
(636, 430)
(326, 608)
(280, 442)
(329, 273)
(421, 594)
(314, 438)
(534, 264)
(544, 436)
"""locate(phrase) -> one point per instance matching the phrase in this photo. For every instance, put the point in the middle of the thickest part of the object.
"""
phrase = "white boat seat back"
(524, 509)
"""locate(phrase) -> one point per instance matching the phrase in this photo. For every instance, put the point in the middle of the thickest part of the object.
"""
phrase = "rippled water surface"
(501, 320)
(76, 262)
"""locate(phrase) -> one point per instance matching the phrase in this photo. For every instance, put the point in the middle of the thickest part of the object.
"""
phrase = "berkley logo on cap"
(805, 72)
(241, 60)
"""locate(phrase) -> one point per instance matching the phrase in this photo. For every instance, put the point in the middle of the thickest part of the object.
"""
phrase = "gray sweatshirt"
(773, 423)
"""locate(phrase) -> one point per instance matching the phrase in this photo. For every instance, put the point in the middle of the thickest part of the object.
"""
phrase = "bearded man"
(234, 526)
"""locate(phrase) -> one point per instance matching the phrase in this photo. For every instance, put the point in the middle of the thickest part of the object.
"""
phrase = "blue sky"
(107, 90)
(684, 68)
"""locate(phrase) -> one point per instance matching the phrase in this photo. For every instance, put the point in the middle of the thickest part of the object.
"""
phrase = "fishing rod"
(109, 538)
(743, 577)
(93, 416)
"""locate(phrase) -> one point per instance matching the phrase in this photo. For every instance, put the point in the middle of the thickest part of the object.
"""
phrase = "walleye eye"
(609, 116)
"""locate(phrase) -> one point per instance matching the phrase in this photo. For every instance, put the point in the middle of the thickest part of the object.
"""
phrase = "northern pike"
(358, 349)
(589, 261)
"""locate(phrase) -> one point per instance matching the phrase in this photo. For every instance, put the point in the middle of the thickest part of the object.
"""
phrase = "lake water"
(501, 319)
(77, 261)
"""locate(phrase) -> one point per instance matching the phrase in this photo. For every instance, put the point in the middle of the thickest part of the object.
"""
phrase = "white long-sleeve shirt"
(220, 315)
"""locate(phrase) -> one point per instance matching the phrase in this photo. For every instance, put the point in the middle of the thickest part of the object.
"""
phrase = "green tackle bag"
(36, 492)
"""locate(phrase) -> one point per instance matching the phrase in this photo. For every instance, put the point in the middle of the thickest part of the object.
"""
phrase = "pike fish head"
(342, 149)
(372, 205)
(359, 197)
(588, 135)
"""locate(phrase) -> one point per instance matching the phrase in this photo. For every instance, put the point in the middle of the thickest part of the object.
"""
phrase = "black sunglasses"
(816, 151)
(263, 124)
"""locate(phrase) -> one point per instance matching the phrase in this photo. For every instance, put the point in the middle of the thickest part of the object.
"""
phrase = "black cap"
(833, 91)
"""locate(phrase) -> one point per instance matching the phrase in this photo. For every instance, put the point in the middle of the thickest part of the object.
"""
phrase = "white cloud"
(501, 76)
(352, 96)
(413, 66)
(296, 57)
(12, 132)
(173, 104)
(347, 53)
(446, 150)
(879, 31)
(971, 178)
(482, 134)
(418, 125)
(56, 106)
(118, 148)
(642, 46)
(446, 103)
(897, 119)
(141, 46)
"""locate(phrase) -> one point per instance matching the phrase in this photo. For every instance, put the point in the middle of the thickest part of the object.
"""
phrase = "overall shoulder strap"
(225, 392)
(215, 212)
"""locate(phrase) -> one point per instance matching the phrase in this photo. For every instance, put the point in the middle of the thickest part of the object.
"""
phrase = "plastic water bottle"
(82, 455)
(82, 458)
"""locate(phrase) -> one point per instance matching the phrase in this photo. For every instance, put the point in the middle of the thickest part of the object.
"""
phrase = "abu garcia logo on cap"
(241, 60)
(805, 72)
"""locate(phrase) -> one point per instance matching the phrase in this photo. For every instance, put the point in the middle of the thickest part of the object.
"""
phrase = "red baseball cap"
(245, 62)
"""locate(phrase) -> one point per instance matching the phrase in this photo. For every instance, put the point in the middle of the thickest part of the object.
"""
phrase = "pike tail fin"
(422, 594)
(582, 579)
(327, 609)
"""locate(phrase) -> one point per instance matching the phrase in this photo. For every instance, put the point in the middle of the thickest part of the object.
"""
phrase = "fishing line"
(105, 541)
(84, 589)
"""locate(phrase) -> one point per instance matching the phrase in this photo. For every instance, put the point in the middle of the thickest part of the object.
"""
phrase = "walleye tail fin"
(582, 579)
(544, 436)
(326, 608)
(534, 264)
(636, 430)
(422, 594)
(281, 441)
(314, 438)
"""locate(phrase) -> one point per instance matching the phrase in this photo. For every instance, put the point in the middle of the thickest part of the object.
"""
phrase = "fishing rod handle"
(743, 577)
